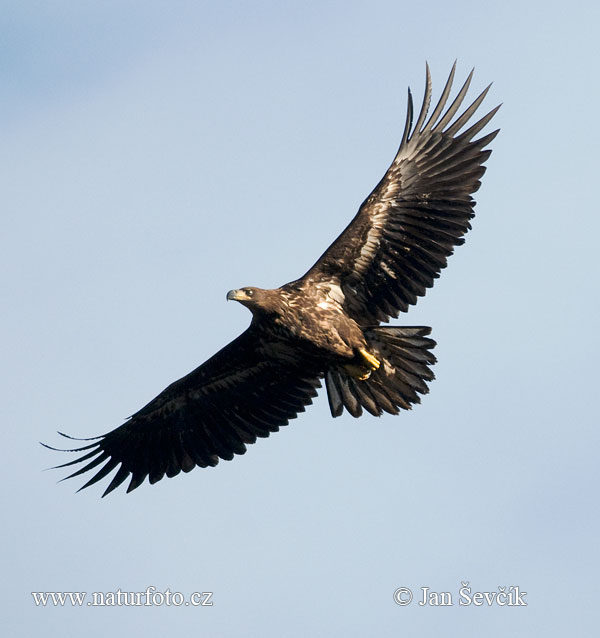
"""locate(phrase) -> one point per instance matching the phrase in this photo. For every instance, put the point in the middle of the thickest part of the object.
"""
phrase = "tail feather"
(405, 356)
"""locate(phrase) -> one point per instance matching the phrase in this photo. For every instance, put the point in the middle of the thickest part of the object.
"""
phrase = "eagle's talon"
(372, 361)
(358, 372)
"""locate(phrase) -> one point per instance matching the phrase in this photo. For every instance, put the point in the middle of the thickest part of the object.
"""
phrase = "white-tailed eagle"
(327, 323)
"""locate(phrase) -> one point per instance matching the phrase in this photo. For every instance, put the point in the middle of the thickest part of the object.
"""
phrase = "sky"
(156, 155)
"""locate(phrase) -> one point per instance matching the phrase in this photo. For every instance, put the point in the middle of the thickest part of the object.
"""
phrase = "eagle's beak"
(234, 295)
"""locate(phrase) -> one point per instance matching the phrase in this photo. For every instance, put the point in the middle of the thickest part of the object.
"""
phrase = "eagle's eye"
(249, 292)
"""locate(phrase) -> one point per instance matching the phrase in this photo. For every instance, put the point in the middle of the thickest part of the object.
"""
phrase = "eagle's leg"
(363, 371)
(372, 361)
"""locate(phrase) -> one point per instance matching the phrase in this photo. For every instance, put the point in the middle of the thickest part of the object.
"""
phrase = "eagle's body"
(325, 324)
(309, 314)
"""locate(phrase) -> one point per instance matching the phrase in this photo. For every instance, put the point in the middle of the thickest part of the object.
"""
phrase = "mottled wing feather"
(404, 232)
(249, 389)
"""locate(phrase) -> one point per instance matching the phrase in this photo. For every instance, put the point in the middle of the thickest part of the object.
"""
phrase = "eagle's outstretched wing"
(247, 390)
(403, 233)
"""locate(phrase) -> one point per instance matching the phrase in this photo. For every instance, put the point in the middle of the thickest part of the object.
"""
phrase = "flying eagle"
(325, 324)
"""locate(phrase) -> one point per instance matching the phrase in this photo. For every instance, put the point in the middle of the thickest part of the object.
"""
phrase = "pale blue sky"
(155, 155)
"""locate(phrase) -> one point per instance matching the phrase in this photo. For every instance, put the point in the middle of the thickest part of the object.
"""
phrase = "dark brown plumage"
(325, 324)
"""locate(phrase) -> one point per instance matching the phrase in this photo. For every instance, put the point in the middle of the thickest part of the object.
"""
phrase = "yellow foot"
(358, 372)
(362, 371)
(372, 361)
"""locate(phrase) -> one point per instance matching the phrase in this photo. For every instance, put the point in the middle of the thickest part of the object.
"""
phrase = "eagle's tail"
(405, 357)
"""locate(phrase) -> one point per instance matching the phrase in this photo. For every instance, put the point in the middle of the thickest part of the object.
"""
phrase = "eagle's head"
(257, 300)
